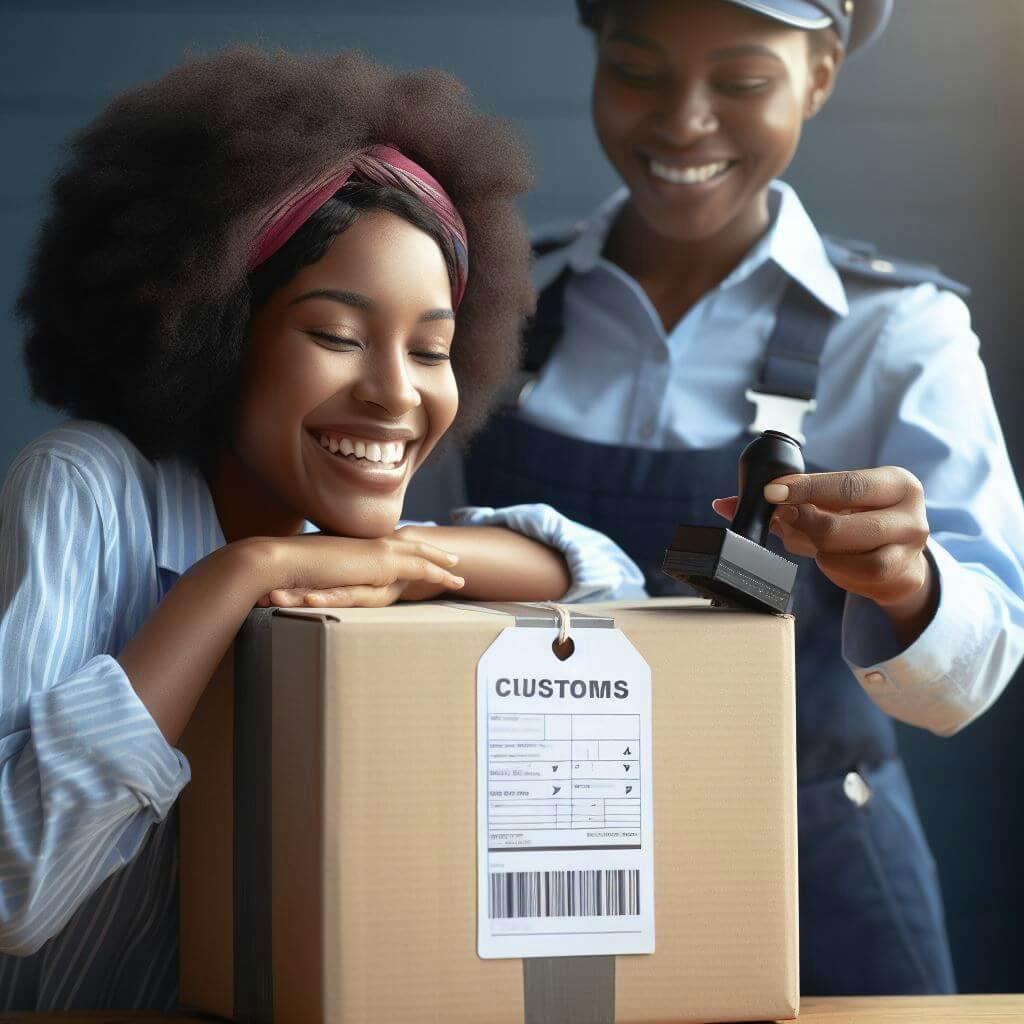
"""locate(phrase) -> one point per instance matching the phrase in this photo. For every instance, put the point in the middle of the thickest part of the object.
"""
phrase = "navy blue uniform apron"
(871, 919)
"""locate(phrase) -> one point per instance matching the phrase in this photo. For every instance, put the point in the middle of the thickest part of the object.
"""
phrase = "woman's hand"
(866, 530)
(497, 563)
(319, 571)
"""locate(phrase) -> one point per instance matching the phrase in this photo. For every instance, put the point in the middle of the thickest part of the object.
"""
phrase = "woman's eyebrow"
(360, 301)
(355, 299)
(746, 50)
(437, 314)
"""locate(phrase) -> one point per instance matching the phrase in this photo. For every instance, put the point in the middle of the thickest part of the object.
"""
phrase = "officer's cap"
(857, 22)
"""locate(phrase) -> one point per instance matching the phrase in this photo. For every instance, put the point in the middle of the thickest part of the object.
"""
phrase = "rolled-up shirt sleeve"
(938, 420)
(600, 570)
(84, 770)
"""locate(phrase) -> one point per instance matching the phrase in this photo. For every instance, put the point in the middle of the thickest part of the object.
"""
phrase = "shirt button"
(874, 679)
(857, 791)
(648, 428)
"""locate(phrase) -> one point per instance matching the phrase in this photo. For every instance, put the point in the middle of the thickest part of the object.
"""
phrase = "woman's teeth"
(388, 453)
(688, 175)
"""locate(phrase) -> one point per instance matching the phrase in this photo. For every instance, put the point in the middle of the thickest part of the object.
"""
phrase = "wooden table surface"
(996, 1009)
(903, 1009)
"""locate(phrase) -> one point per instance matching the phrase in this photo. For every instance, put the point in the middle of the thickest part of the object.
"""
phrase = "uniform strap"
(802, 326)
(545, 326)
(540, 336)
(793, 353)
(788, 379)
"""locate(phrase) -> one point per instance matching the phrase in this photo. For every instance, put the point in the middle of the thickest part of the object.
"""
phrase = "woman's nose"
(385, 382)
(687, 114)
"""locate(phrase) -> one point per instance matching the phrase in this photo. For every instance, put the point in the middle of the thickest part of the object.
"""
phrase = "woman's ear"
(825, 60)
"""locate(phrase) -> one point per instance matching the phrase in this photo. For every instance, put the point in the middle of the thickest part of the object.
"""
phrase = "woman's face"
(348, 384)
(699, 105)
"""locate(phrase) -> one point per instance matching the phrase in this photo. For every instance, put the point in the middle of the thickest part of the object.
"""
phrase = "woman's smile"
(361, 461)
(350, 361)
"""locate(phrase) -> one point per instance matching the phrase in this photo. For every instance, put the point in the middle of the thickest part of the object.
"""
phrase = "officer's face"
(699, 104)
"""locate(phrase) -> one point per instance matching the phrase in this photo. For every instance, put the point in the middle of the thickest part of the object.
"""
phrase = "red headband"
(382, 165)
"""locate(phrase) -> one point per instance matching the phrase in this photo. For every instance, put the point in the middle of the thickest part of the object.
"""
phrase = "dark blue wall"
(921, 152)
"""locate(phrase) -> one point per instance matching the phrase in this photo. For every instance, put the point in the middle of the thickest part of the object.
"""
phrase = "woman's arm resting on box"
(518, 553)
(595, 568)
(174, 654)
(497, 563)
(86, 732)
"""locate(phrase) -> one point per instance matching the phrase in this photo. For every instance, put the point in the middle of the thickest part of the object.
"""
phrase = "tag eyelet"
(563, 650)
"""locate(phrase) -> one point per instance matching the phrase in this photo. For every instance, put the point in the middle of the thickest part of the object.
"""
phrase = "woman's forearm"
(497, 564)
(172, 657)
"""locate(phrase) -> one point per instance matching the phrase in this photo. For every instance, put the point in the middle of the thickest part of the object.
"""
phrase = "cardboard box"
(351, 825)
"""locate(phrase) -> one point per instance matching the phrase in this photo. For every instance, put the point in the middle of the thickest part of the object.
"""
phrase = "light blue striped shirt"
(900, 384)
(92, 536)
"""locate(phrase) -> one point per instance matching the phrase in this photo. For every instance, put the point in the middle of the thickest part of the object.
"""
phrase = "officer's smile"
(690, 173)
(699, 106)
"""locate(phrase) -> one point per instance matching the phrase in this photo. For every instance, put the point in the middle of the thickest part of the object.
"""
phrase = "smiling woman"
(268, 287)
(697, 130)
(348, 377)
(699, 304)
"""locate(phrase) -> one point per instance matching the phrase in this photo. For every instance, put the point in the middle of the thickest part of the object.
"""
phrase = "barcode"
(565, 894)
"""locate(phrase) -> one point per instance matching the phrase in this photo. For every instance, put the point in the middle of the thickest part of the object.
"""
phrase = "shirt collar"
(585, 252)
(792, 243)
(187, 527)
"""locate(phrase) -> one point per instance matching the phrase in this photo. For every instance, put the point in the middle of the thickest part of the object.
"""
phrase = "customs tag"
(565, 863)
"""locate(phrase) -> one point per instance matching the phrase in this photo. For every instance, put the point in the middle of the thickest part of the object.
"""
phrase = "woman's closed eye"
(339, 341)
(431, 354)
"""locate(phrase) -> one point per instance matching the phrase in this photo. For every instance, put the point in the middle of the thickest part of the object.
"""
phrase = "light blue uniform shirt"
(92, 536)
(900, 384)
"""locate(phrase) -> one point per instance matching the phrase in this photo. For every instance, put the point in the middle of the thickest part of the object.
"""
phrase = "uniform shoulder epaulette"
(862, 260)
(552, 237)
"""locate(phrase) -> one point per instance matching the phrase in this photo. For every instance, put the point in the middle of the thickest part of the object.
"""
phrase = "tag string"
(564, 619)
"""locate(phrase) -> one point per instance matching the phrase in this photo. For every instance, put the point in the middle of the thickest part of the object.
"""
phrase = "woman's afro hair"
(137, 300)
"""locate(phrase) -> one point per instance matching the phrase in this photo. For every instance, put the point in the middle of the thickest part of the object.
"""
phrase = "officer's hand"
(866, 529)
